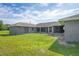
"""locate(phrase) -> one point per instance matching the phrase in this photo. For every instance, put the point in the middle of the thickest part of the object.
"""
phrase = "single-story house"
(49, 27)
(21, 28)
(71, 28)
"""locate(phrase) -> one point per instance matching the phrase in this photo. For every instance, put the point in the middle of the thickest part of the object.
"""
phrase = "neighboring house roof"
(74, 17)
(48, 24)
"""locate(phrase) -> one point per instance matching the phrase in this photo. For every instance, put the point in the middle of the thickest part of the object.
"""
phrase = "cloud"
(7, 13)
(59, 5)
(48, 15)
(34, 15)
(55, 14)
(44, 4)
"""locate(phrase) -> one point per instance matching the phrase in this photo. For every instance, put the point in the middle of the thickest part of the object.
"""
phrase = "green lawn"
(26, 44)
(66, 51)
(33, 44)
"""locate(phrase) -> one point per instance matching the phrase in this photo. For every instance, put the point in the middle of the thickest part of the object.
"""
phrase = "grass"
(66, 51)
(26, 44)
(33, 44)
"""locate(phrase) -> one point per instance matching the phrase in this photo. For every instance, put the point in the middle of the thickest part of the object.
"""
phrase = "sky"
(11, 13)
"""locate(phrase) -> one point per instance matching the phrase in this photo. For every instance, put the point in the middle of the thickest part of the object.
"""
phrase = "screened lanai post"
(48, 29)
(52, 29)
(40, 29)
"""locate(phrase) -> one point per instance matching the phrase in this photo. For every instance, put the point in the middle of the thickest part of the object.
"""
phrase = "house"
(71, 28)
(49, 27)
(21, 28)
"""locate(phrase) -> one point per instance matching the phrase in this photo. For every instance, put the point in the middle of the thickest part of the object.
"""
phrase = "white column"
(40, 29)
(29, 29)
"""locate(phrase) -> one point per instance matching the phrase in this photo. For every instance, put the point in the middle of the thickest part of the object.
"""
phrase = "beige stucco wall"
(71, 33)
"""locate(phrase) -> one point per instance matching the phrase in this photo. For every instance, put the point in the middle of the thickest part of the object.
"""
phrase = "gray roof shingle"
(24, 24)
(74, 17)
(48, 24)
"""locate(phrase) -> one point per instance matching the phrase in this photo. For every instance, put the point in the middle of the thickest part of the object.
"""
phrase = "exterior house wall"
(21, 30)
(71, 33)
(27, 28)
(17, 30)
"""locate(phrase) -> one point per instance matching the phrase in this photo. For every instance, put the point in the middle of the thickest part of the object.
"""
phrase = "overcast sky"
(36, 12)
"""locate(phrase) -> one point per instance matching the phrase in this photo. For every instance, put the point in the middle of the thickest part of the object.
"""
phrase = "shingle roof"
(24, 24)
(48, 24)
(74, 17)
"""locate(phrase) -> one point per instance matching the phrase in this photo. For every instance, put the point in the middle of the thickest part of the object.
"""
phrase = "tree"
(1, 23)
(5, 27)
